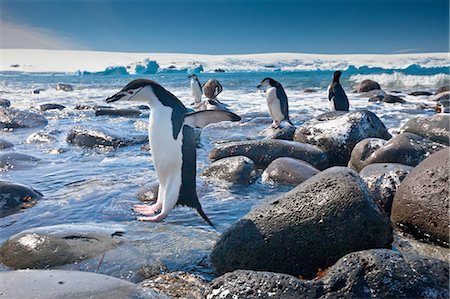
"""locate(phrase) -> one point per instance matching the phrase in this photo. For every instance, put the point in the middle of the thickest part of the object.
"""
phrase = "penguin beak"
(258, 87)
(190, 76)
(115, 97)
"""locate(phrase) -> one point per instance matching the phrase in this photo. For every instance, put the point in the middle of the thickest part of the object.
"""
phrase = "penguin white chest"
(332, 105)
(274, 104)
(166, 151)
(196, 91)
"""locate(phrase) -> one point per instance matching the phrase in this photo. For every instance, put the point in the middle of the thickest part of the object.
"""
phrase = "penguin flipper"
(201, 119)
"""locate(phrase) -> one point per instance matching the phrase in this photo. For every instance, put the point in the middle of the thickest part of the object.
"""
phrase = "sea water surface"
(99, 186)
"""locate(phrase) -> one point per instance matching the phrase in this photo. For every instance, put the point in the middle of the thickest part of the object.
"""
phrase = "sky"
(227, 27)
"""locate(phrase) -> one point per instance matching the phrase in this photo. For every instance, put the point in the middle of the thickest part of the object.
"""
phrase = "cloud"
(25, 37)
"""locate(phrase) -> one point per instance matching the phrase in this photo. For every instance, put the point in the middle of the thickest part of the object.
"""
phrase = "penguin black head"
(132, 91)
(336, 76)
(194, 76)
(266, 82)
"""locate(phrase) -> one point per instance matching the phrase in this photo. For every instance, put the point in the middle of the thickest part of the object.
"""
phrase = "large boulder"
(52, 246)
(232, 169)
(13, 118)
(263, 152)
(368, 274)
(338, 132)
(421, 203)
(47, 284)
(17, 161)
(307, 229)
(367, 85)
(363, 150)
(435, 127)
(14, 197)
(101, 137)
(288, 171)
(383, 180)
(406, 148)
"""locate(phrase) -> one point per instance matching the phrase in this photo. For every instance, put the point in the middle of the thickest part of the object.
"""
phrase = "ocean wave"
(398, 79)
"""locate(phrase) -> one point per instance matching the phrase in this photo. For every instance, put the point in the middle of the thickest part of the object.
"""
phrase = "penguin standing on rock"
(336, 94)
(277, 101)
(173, 146)
(197, 90)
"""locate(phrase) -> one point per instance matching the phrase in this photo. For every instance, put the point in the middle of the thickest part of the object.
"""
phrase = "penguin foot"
(146, 209)
(156, 218)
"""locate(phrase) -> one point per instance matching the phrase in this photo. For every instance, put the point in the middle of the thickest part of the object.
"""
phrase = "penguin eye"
(130, 92)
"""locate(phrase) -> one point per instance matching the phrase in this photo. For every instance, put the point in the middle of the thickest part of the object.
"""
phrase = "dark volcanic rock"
(69, 285)
(405, 243)
(52, 246)
(5, 144)
(285, 133)
(288, 171)
(118, 112)
(376, 273)
(4, 103)
(17, 161)
(363, 150)
(376, 98)
(14, 197)
(308, 228)
(12, 118)
(406, 148)
(393, 99)
(383, 180)
(338, 132)
(232, 169)
(102, 137)
(263, 152)
(177, 285)
(420, 93)
(434, 127)
(45, 107)
(367, 85)
(421, 203)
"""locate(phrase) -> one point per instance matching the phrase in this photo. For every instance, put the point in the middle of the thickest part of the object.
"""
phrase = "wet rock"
(64, 87)
(376, 273)
(363, 150)
(435, 127)
(263, 152)
(70, 285)
(442, 89)
(100, 137)
(406, 148)
(285, 133)
(406, 244)
(420, 93)
(17, 161)
(367, 85)
(4, 103)
(238, 169)
(5, 144)
(149, 193)
(14, 197)
(390, 99)
(376, 98)
(46, 107)
(118, 112)
(383, 180)
(40, 137)
(12, 118)
(308, 228)
(52, 246)
(338, 132)
(288, 171)
(177, 285)
(441, 96)
(310, 90)
(155, 269)
(421, 203)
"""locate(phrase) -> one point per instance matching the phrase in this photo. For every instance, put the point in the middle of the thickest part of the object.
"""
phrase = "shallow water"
(100, 185)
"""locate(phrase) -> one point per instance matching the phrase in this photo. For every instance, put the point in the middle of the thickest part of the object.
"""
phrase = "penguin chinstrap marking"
(173, 146)
(196, 89)
(336, 94)
(277, 101)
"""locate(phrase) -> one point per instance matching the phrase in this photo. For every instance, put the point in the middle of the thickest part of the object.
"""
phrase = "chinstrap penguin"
(197, 90)
(277, 101)
(336, 94)
(173, 146)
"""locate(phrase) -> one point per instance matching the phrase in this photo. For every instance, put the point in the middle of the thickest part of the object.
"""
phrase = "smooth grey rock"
(46, 107)
(177, 285)
(17, 161)
(238, 169)
(4, 103)
(13, 118)
(100, 137)
(40, 137)
(14, 197)
(118, 112)
(363, 150)
(367, 85)
(4, 144)
(378, 273)
(390, 99)
(421, 203)
(376, 98)
(338, 132)
(288, 171)
(308, 228)
(405, 243)
(52, 246)
(285, 133)
(50, 284)
(64, 87)
(383, 180)
(263, 152)
(435, 127)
